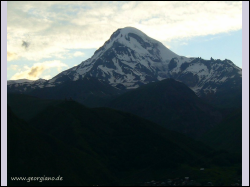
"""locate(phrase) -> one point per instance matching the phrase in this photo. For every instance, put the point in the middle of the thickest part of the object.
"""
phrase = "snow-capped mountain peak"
(138, 41)
(130, 58)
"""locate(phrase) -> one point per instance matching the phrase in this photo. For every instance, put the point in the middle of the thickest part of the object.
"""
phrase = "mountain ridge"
(130, 59)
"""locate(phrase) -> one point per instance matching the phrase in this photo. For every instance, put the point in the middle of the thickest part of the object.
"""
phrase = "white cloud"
(47, 77)
(78, 53)
(184, 43)
(11, 56)
(35, 72)
(53, 28)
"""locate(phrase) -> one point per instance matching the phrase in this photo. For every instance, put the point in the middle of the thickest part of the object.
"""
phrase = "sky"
(45, 38)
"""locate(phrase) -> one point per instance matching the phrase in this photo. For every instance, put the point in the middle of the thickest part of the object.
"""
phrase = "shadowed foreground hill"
(32, 153)
(124, 140)
(103, 146)
(26, 107)
(228, 134)
(172, 105)
(88, 91)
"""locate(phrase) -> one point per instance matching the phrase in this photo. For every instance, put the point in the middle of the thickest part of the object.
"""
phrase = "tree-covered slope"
(32, 153)
(228, 134)
(171, 104)
(105, 147)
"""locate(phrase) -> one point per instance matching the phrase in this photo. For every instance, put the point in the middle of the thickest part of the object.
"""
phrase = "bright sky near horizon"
(45, 38)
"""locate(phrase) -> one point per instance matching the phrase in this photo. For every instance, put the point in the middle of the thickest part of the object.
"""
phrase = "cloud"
(11, 56)
(58, 27)
(25, 44)
(47, 77)
(212, 38)
(184, 43)
(78, 53)
(36, 71)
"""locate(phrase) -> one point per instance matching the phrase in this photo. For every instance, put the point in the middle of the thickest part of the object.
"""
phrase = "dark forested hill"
(104, 146)
(171, 104)
(228, 134)
(32, 153)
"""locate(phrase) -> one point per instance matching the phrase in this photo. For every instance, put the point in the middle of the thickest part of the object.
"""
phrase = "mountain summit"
(129, 58)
